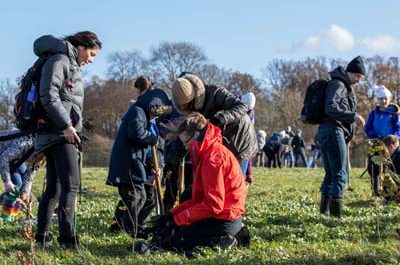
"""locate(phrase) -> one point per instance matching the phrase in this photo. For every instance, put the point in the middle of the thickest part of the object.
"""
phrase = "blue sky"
(240, 35)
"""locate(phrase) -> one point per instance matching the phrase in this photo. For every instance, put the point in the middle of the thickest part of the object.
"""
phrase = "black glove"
(216, 121)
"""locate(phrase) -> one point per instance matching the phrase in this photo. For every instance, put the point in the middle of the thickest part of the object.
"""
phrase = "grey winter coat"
(340, 103)
(131, 146)
(61, 89)
(237, 130)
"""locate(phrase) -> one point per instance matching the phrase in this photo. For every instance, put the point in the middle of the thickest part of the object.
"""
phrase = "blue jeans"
(244, 164)
(316, 156)
(16, 177)
(301, 153)
(334, 155)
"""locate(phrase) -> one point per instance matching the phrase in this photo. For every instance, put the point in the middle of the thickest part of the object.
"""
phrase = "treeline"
(279, 90)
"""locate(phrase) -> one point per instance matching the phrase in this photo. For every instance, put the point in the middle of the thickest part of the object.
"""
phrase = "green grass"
(282, 214)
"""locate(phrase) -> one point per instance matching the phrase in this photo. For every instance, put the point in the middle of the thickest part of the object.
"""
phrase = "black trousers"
(133, 198)
(62, 185)
(202, 233)
(148, 205)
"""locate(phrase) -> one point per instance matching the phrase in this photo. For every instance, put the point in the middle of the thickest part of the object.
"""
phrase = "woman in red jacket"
(218, 193)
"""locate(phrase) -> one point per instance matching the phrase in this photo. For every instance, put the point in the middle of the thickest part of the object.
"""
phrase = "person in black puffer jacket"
(223, 109)
(61, 94)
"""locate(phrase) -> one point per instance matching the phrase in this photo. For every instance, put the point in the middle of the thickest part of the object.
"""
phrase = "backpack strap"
(19, 134)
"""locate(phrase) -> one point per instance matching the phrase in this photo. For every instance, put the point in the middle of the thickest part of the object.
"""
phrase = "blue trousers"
(334, 155)
(244, 164)
(16, 177)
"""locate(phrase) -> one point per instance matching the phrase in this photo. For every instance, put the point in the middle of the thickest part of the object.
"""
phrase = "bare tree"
(7, 94)
(169, 59)
(212, 74)
(240, 83)
(105, 103)
(126, 66)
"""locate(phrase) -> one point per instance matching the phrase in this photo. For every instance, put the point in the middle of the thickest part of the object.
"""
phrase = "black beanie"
(356, 66)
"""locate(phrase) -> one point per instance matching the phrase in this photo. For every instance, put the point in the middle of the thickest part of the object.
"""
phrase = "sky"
(237, 35)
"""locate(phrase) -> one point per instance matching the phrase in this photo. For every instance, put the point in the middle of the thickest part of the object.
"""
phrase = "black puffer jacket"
(63, 104)
(128, 155)
(340, 103)
(238, 132)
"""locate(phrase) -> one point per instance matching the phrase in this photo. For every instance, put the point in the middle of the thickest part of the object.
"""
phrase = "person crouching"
(218, 193)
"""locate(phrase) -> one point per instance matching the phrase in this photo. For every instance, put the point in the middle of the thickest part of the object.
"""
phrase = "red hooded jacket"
(218, 190)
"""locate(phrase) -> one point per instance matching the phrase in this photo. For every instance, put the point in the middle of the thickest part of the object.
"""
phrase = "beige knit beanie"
(182, 91)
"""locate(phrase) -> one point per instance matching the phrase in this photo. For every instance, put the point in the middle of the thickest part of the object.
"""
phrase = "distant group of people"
(206, 145)
(286, 149)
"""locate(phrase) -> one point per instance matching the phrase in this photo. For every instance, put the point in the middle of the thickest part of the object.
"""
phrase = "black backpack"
(28, 110)
(313, 111)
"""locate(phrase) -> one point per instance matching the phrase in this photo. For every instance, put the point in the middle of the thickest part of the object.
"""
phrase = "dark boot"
(324, 204)
(336, 206)
(44, 240)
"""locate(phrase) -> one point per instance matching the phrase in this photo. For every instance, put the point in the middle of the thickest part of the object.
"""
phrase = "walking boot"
(324, 204)
(336, 206)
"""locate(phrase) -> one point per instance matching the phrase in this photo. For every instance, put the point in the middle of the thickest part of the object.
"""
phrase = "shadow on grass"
(358, 204)
(110, 250)
(353, 259)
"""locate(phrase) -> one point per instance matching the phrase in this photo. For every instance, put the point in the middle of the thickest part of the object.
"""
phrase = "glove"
(9, 186)
(216, 121)
(154, 129)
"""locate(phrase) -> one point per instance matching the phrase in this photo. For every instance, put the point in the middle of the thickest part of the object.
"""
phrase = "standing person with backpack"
(336, 131)
(381, 122)
(61, 94)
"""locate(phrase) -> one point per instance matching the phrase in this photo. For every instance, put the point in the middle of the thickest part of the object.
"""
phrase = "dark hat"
(356, 66)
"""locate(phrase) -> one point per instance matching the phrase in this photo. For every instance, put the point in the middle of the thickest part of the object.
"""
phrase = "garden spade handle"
(158, 181)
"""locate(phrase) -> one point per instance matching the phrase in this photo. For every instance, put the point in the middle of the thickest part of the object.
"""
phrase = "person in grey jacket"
(61, 94)
(336, 131)
(223, 109)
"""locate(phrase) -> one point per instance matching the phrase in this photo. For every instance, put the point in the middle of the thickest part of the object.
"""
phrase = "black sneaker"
(226, 242)
(243, 237)
(45, 240)
(141, 247)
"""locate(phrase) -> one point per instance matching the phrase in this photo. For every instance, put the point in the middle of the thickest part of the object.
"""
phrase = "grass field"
(282, 215)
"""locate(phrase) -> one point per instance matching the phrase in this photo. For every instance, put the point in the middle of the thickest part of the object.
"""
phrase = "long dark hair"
(86, 39)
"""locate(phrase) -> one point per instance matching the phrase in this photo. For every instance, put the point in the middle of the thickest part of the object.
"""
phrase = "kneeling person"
(218, 193)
